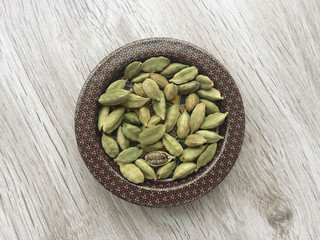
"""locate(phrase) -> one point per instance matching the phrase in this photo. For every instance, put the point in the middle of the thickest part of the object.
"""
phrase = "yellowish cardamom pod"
(155, 64)
(110, 146)
(184, 170)
(206, 156)
(183, 122)
(131, 172)
(152, 89)
(213, 120)
(197, 117)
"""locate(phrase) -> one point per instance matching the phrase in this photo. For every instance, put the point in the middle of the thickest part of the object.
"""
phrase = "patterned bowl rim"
(158, 194)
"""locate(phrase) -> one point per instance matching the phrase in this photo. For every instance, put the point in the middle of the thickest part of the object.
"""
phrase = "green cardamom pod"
(155, 64)
(135, 101)
(188, 87)
(132, 70)
(211, 136)
(212, 94)
(166, 170)
(159, 79)
(205, 82)
(171, 91)
(195, 140)
(138, 89)
(210, 106)
(119, 84)
(147, 170)
(131, 172)
(132, 118)
(123, 142)
(171, 117)
(213, 120)
(160, 107)
(172, 145)
(144, 115)
(153, 147)
(152, 89)
(114, 97)
(110, 146)
(151, 134)
(184, 170)
(154, 120)
(140, 78)
(103, 114)
(206, 156)
(129, 155)
(185, 75)
(191, 154)
(131, 131)
(197, 117)
(172, 69)
(183, 122)
(114, 119)
(191, 101)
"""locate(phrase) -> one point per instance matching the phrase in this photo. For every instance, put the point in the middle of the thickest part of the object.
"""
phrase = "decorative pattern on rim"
(158, 194)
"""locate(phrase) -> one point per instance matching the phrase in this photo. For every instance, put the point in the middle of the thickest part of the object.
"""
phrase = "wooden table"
(47, 50)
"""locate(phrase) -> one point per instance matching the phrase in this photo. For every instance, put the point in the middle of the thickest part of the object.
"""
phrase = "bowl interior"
(110, 69)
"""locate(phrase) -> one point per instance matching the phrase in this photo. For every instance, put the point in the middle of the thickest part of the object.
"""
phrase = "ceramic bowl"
(158, 193)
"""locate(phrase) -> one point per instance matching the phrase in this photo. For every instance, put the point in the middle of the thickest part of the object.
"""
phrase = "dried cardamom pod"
(171, 91)
(129, 155)
(206, 156)
(184, 170)
(153, 147)
(151, 134)
(189, 87)
(185, 75)
(154, 120)
(197, 117)
(159, 79)
(110, 146)
(183, 122)
(119, 84)
(131, 131)
(132, 70)
(195, 140)
(191, 154)
(147, 170)
(205, 82)
(152, 89)
(103, 114)
(132, 118)
(160, 107)
(211, 136)
(123, 142)
(166, 170)
(144, 115)
(131, 172)
(135, 101)
(171, 117)
(155, 64)
(212, 94)
(210, 106)
(140, 78)
(191, 101)
(138, 89)
(172, 145)
(113, 120)
(213, 120)
(172, 69)
(114, 97)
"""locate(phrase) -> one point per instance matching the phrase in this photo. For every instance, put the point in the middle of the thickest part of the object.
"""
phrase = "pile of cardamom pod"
(142, 121)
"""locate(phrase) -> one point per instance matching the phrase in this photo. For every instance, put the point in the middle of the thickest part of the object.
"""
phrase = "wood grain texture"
(48, 48)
